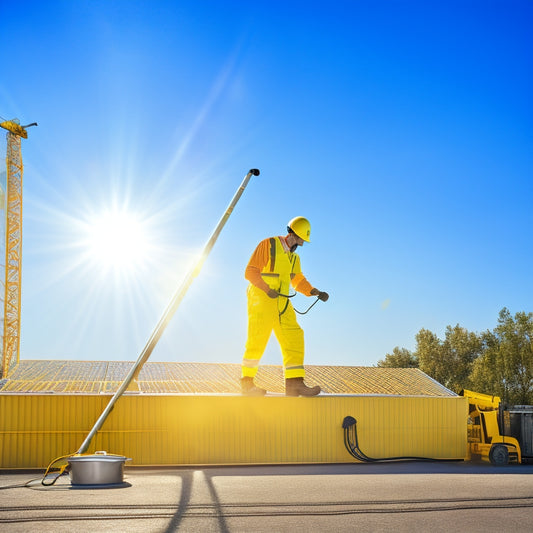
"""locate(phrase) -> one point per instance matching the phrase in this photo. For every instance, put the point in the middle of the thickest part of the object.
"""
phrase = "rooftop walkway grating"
(104, 377)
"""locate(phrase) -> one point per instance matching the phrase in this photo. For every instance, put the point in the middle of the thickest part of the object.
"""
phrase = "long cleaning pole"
(167, 315)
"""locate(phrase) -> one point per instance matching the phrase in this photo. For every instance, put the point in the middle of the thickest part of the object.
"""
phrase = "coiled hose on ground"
(351, 442)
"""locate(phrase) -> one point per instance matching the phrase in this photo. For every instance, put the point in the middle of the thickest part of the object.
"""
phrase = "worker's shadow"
(187, 482)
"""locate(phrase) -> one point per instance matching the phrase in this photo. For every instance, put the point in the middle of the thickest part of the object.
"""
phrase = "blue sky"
(402, 129)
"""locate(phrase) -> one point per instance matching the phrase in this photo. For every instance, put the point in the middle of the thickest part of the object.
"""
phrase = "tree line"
(497, 362)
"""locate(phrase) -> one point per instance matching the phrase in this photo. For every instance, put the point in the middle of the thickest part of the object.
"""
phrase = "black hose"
(351, 442)
(308, 309)
(287, 304)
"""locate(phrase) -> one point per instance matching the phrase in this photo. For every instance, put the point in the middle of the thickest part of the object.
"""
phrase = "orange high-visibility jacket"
(274, 266)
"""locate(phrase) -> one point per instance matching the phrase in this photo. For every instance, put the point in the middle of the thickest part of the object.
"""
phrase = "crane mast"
(10, 342)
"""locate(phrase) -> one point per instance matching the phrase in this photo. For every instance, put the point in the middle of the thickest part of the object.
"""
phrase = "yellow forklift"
(498, 434)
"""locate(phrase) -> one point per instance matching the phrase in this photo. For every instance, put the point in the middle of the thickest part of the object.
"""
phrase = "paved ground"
(435, 497)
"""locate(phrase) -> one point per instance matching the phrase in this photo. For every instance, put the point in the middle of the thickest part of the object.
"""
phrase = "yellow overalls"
(267, 314)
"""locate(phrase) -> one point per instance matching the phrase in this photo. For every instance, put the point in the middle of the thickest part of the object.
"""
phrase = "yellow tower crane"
(12, 203)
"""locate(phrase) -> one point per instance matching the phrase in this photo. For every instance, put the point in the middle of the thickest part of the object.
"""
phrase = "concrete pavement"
(409, 496)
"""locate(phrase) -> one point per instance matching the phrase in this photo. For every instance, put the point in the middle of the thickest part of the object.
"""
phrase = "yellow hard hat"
(301, 227)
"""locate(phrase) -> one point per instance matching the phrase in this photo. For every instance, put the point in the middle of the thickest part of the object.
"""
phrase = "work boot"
(249, 389)
(297, 387)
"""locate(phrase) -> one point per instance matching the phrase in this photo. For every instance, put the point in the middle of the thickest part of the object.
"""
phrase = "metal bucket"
(98, 469)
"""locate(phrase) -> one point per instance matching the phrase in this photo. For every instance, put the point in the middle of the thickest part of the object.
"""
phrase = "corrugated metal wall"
(196, 429)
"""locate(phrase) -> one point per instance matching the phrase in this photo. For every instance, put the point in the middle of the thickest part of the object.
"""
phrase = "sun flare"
(117, 240)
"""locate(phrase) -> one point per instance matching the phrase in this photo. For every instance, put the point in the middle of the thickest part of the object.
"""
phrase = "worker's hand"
(321, 294)
(272, 293)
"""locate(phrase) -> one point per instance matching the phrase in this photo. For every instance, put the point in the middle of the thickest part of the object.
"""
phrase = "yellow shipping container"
(229, 429)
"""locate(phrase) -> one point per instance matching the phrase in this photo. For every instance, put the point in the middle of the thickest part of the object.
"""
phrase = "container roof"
(104, 377)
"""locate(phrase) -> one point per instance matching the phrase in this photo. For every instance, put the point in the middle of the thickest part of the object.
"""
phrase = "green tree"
(498, 362)
(429, 354)
(450, 361)
(399, 358)
(506, 366)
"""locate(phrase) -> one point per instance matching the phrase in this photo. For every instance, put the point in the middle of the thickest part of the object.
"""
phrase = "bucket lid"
(110, 458)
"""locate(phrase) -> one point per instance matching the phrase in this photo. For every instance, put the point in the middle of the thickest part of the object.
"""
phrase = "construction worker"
(272, 269)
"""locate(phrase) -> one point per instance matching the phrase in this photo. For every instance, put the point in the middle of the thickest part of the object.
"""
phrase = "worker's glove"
(272, 293)
(321, 295)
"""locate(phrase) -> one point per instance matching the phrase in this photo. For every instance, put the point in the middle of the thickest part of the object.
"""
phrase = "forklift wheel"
(499, 455)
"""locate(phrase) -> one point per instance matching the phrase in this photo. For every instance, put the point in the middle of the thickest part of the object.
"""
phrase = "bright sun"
(117, 240)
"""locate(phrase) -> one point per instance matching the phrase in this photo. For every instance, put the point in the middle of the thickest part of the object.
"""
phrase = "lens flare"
(117, 240)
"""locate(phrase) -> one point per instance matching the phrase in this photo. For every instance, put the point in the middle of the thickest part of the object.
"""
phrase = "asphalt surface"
(409, 496)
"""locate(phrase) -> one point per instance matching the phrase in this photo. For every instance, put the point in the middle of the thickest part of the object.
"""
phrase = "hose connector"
(348, 422)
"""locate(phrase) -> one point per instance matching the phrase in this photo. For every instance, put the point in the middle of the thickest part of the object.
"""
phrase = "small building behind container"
(521, 428)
